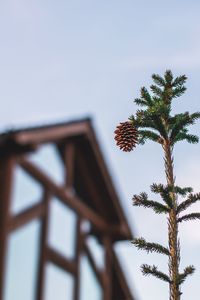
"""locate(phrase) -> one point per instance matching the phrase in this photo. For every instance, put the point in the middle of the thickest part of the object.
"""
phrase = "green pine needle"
(168, 77)
(158, 80)
(181, 191)
(179, 81)
(187, 271)
(157, 112)
(192, 198)
(146, 96)
(140, 102)
(152, 270)
(147, 134)
(156, 90)
(189, 217)
(164, 192)
(141, 244)
(142, 200)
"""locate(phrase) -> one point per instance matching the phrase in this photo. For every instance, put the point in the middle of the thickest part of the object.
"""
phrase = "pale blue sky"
(66, 59)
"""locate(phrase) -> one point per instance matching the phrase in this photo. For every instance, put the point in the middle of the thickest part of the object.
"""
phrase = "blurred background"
(61, 60)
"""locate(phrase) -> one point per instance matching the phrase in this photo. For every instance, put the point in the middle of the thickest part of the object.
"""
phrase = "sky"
(64, 60)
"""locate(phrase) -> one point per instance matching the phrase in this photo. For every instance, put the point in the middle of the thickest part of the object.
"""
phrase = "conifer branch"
(187, 271)
(142, 200)
(140, 102)
(141, 244)
(143, 120)
(193, 198)
(181, 191)
(150, 118)
(152, 270)
(179, 81)
(178, 91)
(158, 80)
(168, 77)
(190, 138)
(164, 192)
(156, 90)
(147, 134)
(182, 121)
(189, 217)
(146, 96)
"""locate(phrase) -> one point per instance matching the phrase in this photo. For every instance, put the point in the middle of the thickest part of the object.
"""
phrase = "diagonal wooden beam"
(65, 195)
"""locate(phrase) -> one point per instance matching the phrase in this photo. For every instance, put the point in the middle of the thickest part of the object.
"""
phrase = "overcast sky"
(65, 59)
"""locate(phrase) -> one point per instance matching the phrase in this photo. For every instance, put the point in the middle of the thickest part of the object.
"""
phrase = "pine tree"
(154, 121)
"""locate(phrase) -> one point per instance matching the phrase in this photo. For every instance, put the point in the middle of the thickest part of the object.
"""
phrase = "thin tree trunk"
(173, 241)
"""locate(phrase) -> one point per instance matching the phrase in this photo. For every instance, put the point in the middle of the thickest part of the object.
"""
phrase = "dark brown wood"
(43, 248)
(69, 156)
(6, 174)
(35, 211)
(51, 133)
(108, 268)
(79, 246)
(116, 232)
(60, 261)
(65, 195)
(88, 181)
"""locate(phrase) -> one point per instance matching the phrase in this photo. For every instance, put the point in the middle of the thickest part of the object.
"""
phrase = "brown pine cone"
(126, 136)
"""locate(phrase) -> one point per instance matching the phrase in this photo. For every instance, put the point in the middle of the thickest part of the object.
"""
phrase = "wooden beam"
(43, 248)
(6, 174)
(89, 183)
(116, 232)
(68, 155)
(65, 195)
(33, 212)
(79, 246)
(51, 133)
(60, 261)
(108, 268)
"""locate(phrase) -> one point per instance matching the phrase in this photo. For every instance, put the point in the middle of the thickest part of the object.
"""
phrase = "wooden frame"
(74, 141)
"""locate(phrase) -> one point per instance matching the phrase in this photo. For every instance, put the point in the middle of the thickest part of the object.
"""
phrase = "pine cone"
(126, 136)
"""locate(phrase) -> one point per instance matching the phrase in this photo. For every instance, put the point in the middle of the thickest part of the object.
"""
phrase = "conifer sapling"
(154, 121)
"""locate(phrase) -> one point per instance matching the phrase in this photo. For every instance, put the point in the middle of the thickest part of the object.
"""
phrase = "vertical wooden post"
(79, 244)
(108, 268)
(6, 172)
(43, 246)
(69, 155)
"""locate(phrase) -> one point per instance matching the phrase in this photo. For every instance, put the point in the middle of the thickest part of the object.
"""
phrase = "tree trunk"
(173, 241)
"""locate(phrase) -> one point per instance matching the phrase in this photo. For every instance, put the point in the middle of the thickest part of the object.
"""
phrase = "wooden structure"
(88, 191)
